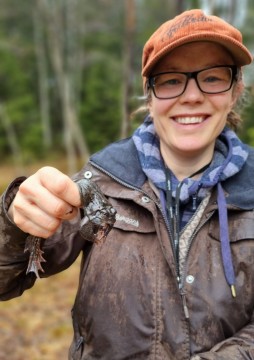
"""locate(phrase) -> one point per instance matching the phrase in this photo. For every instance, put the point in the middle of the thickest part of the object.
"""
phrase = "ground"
(37, 325)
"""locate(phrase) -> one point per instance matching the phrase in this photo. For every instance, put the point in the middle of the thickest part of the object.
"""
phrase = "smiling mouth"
(189, 120)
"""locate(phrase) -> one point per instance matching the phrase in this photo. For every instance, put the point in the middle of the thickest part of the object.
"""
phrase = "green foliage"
(100, 106)
(97, 92)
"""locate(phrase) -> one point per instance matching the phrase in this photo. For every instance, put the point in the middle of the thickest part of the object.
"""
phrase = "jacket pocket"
(241, 237)
(241, 227)
(131, 217)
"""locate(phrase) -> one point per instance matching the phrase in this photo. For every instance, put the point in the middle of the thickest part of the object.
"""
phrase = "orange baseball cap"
(193, 25)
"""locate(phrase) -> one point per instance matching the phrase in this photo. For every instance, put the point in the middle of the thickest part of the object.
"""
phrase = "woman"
(174, 278)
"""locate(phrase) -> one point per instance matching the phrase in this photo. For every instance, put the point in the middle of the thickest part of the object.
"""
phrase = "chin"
(192, 150)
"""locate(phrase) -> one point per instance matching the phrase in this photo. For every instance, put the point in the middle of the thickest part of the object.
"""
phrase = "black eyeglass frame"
(193, 75)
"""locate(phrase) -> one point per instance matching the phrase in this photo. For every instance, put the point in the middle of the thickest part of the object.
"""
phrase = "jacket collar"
(116, 160)
(240, 188)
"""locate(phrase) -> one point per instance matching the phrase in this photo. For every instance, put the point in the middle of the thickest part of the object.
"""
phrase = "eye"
(211, 79)
(170, 80)
(215, 75)
(173, 81)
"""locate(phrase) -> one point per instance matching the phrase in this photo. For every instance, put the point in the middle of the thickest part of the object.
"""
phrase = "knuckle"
(24, 188)
(17, 211)
(60, 209)
(23, 224)
(45, 170)
(53, 178)
(52, 226)
(62, 184)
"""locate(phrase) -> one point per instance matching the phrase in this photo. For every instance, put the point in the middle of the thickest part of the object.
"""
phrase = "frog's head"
(96, 224)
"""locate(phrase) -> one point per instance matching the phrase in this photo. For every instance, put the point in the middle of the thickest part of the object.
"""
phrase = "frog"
(99, 215)
(98, 218)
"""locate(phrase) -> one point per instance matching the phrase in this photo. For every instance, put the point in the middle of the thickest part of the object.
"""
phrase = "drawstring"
(174, 222)
(174, 212)
(224, 238)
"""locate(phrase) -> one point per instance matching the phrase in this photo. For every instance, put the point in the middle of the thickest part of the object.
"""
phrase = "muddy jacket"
(128, 304)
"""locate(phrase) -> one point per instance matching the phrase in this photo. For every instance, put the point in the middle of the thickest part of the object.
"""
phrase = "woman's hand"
(43, 201)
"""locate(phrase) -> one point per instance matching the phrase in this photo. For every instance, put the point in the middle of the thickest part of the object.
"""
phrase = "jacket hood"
(239, 188)
(116, 159)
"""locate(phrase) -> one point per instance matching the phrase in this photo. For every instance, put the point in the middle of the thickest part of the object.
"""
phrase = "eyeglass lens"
(213, 80)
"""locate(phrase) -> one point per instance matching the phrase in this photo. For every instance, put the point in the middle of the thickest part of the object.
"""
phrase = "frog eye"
(112, 211)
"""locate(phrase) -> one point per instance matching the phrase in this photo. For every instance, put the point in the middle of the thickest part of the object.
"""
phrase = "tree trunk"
(12, 140)
(74, 141)
(43, 79)
(130, 22)
(179, 6)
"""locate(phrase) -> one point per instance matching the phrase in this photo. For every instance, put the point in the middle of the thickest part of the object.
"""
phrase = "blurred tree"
(18, 88)
(128, 40)
(70, 70)
(180, 6)
(42, 65)
(64, 46)
(12, 139)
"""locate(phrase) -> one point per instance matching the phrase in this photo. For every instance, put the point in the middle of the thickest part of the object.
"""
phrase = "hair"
(234, 119)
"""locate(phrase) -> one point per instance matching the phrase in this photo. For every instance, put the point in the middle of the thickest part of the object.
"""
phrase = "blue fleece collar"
(229, 157)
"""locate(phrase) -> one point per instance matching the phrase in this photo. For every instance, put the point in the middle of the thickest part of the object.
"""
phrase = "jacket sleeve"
(238, 347)
(60, 250)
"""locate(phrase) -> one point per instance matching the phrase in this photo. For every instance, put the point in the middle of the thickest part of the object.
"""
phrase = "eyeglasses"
(213, 80)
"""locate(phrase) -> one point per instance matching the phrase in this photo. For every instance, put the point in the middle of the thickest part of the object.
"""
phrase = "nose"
(192, 92)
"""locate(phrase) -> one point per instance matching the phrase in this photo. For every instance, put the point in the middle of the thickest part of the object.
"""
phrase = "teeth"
(189, 120)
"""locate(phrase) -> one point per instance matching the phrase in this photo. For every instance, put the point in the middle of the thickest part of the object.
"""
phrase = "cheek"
(229, 107)
(159, 107)
(223, 104)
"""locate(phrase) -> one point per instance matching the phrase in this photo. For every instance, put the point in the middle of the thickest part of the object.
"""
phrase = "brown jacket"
(128, 304)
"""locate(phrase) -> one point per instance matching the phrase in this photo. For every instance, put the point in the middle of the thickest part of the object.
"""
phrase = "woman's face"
(189, 124)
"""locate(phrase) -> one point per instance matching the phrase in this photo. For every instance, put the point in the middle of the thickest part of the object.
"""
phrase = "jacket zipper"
(156, 203)
(182, 292)
(190, 243)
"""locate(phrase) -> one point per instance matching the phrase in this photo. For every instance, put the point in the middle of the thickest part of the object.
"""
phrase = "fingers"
(39, 224)
(43, 201)
(52, 191)
(36, 195)
(60, 185)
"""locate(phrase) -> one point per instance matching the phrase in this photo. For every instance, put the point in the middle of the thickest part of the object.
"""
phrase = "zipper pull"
(185, 307)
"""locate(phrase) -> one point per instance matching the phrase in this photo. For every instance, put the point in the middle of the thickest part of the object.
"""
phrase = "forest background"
(69, 82)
